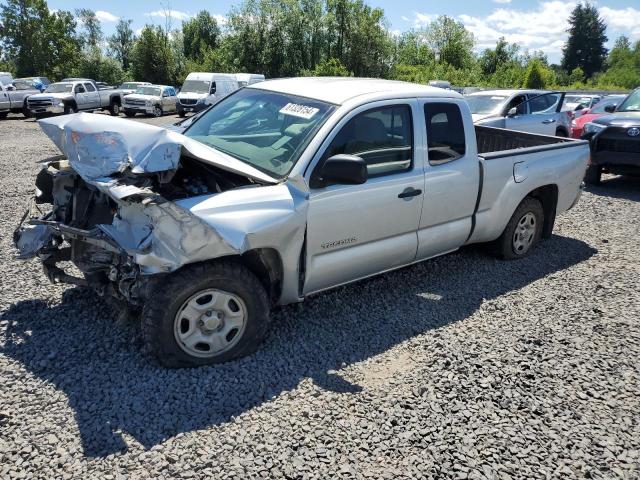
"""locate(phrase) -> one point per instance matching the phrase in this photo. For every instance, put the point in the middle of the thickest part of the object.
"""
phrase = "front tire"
(593, 175)
(129, 113)
(523, 231)
(204, 314)
(114, 109)
(68, 109)
(157, 111)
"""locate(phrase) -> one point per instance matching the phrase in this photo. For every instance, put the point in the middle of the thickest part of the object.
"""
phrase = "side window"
(213, 87)
(89, 87)
(544, 103)
(520, 104)
(445, 132)
(79, 88)
(382, 137)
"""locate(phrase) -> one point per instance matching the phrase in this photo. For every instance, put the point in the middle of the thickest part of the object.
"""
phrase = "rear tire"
(114, 109)
(561, 133)
(193, 315)
(522, 232)
(25, 111)
(68, 109)
(4, 114)
(181, 112)
(593, 176)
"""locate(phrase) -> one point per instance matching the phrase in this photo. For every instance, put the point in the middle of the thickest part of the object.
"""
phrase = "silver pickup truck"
(283, 189)
(13, 98)
(73, 96)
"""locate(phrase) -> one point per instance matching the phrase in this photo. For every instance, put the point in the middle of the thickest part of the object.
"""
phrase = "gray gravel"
(460, 367)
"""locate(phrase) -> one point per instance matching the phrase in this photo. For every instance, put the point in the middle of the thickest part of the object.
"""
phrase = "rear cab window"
(445, 132)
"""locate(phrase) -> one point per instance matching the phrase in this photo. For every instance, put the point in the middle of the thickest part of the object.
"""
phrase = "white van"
(245, 79)
(6, 78)
(202, 89)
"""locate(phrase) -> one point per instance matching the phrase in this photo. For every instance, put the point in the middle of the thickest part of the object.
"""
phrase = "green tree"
(576, 76)
(504, 53)
(121, 43)
(412, 49)
(152, 59)
(451, 41)
(585, 45)
(535, 75)
(94, 64)
(329, 68)
(37, 41)
(199, 34)
(91, 33)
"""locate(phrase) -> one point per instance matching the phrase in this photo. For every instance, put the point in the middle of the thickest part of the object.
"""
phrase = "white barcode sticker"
(298, 110)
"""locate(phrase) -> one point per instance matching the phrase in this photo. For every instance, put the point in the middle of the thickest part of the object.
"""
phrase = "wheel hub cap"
(524, 233)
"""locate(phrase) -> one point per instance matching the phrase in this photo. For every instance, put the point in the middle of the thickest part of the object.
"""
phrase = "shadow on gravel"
(113, 387)
(627, 188)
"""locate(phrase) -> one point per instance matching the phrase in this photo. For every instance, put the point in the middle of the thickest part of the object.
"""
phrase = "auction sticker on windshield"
(298, 110)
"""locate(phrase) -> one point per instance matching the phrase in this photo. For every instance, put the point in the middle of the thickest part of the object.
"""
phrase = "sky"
(533, 25)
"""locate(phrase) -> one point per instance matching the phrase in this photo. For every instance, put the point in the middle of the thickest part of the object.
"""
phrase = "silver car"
(153, 100)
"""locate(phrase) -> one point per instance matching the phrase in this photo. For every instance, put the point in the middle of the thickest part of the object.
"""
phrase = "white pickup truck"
(284, 189)
(74, 95)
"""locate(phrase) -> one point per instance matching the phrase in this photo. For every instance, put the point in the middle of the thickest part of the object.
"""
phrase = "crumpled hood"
(99, 146)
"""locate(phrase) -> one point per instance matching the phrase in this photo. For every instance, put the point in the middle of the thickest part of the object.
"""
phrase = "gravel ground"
(460, 367)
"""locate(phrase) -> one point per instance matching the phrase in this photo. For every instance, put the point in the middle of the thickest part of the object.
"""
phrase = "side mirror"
(344, 169)
(10, 88)
(512, 112)
(610, 108)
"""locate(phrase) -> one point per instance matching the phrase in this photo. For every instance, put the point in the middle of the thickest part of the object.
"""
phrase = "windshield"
(268, 130)
(484, 104)
(59, 88)
(599, 107)
(196, 86)
(631, 103)
(129, 86)
(154, 91)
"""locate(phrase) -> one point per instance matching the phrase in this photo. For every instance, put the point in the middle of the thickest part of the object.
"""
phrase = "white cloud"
(502, 1)
(221, 19)
(421, 19)
(622, 21)
(106, 16)
(139, 31)
(177, 14)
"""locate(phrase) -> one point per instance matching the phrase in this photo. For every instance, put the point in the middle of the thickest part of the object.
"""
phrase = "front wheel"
(204, 314)
(593, 175)
(25, 111)
(70, 109)
(114, 109)
(157, 111)
(523, 230)
(129, 113)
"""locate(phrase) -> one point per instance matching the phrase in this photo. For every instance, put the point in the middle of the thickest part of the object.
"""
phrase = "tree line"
(283, 38)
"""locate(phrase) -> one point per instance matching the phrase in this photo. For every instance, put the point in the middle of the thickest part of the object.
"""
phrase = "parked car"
(130, 87)
(276, 193)
(615, 140)
(39, 83)
(533, 111)
(13, 98)
(203, 89)
(245, 79)
(153, 100)
(577, 103)
(73, 96)
(590, 114)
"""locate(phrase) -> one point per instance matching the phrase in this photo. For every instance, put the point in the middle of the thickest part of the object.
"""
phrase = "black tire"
(68, 109)
(170, 293)
(25, 111)
(157, 111)
(181, 113)
(114, 109)
(129, 113)
(505, 246)
(4, 114)
(593, 175)
(561, 133)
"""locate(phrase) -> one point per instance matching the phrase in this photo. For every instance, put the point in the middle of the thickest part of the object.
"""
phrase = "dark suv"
(615, 140)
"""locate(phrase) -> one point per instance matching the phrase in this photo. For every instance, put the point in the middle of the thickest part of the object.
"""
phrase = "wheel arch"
(547, 195)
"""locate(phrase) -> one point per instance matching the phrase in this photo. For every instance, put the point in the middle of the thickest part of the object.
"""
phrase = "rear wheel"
(4, 114)
(205, 313)
(25, 111)
(114, 109)
(181, 112)
(523, 230)
(561, 133)
(593, 174)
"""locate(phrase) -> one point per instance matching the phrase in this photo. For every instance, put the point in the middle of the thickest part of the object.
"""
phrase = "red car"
(596, 111)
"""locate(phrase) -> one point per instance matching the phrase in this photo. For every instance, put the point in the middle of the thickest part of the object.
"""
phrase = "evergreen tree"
(585, 45)
(199, 34)
(121, 43)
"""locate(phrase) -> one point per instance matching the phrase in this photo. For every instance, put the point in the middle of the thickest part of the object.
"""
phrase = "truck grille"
(618, 145)
(188, 101)
(131, 101)
(39, 103)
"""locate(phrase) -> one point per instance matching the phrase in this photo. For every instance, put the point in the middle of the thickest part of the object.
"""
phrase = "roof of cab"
(506, 92)
(338, 90)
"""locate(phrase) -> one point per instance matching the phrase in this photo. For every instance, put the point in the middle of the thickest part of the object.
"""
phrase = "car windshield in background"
(59, 88)
(268, 130)
(481, 104)
(196, 86)
(129, 86)
(148, 91)
(599, 107)
(577, 100)
(631, 104)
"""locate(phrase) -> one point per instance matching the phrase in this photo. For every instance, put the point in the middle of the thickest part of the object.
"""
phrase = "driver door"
(354, 231)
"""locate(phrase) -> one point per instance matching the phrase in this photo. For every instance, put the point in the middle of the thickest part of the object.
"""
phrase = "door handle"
(410, 192)
(549, 121)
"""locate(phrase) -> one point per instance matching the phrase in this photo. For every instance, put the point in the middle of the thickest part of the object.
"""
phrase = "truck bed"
(498, 142)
